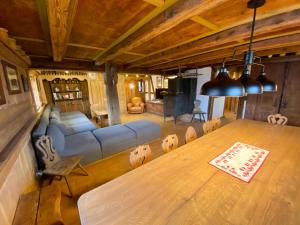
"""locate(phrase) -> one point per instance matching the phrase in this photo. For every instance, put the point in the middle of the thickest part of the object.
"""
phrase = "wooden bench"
(49, 207)
(41, 208)
(27, 209)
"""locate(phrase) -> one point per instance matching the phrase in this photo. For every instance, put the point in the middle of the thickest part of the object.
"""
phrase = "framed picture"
(2, 95)
(158, 82)
(25, 82)
(12, 78)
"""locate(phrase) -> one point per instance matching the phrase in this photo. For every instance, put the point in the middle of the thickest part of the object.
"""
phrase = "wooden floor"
(107, 169)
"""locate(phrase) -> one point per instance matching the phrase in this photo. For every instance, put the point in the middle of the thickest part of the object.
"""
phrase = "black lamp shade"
(251, 86)
(223, 86)
(268, 85)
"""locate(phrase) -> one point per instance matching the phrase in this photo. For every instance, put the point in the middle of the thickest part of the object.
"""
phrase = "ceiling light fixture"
(224, 86)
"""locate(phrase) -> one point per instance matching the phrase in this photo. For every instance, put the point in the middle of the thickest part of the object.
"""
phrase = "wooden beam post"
(60, 16)
(43, 14)
(111, 80)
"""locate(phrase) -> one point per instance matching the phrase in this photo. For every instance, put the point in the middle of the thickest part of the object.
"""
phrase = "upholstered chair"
(136, 105)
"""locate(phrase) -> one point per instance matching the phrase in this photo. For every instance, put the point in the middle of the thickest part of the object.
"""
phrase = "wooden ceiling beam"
(43, 14)
(226, 47)
(205, 23)
(76, 64)
(177, 13)
(258, 53)
(271, 24)
(138, 25)
(60, 17)
(280, 10)
(280, 42)
(158, 3)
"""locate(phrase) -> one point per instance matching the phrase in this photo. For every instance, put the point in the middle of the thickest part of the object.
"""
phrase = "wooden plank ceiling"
(147, 35)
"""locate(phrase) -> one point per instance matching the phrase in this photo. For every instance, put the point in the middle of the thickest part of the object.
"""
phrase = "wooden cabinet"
(68, 94)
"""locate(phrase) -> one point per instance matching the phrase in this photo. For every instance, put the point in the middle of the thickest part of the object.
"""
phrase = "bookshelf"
(69, 94)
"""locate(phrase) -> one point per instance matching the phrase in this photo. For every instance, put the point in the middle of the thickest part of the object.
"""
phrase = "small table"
(100, 116)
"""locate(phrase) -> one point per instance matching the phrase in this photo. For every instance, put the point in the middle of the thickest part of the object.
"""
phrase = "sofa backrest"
(58, 138)
(41, 127)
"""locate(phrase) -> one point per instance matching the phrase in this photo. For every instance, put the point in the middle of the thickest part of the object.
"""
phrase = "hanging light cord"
(252, 31)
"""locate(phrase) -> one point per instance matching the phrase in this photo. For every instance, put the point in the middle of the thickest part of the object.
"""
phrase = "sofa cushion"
(58, 138)
(69, 128)
(76, 120)
(84, 144)
(144, 130)
(114, 139)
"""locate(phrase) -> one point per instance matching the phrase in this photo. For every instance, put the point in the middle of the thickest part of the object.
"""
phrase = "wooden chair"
(140, 156)
(208, 127)
(190, 134)
(216, 123)
(197, 110)
(56, 165)
(277, 119)
(170, 143)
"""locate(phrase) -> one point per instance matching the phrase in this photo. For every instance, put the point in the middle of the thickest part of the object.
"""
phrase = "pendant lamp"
(268, 85)
(251, 86)
(222, 85)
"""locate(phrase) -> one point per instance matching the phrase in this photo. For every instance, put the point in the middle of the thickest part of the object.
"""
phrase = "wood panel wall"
(20, 178)
(18, 108)
(284, 101)
(17, 171)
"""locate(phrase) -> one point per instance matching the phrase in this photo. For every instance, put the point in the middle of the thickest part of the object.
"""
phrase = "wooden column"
(113, 107)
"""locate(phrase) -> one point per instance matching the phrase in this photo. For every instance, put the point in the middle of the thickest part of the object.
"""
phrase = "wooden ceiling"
(147, 35)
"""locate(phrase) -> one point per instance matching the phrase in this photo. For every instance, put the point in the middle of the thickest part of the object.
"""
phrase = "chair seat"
(64, 166)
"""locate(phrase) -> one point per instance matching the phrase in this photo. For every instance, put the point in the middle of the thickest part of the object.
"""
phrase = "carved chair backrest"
(216, 123)
(170, 143)
(50, 156)
(277, 119)
(197, 104)
(190, 134)
(208, 127)
(140, 156)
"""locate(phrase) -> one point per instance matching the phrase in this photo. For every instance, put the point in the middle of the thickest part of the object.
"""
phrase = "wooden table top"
(181, 188)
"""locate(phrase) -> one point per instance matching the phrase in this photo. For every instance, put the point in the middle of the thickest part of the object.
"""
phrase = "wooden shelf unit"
(69, 94)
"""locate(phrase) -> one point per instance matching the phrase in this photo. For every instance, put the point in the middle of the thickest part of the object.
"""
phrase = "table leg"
(69, 188)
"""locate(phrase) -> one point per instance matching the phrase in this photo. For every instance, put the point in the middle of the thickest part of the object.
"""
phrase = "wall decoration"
(25, 82)
(2, 95)
(12, 79)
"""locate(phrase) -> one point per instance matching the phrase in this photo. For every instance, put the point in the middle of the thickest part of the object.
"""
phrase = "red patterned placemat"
(241, 161)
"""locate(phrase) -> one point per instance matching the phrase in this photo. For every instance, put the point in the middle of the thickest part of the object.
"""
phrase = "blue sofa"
(73, 133)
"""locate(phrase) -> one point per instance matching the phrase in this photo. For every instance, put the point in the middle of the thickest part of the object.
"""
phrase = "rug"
(241, 161)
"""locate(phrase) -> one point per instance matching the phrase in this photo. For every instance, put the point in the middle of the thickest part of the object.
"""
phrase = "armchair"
(136, 105)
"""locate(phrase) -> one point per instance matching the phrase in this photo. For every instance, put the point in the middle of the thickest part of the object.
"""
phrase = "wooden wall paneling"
(290, 104)
(260, 106)
(19, 180)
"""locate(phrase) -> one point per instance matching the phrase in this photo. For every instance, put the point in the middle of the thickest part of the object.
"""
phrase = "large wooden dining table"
(182, 188)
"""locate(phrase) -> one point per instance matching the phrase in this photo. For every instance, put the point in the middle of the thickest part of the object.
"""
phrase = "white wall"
(218, 107)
